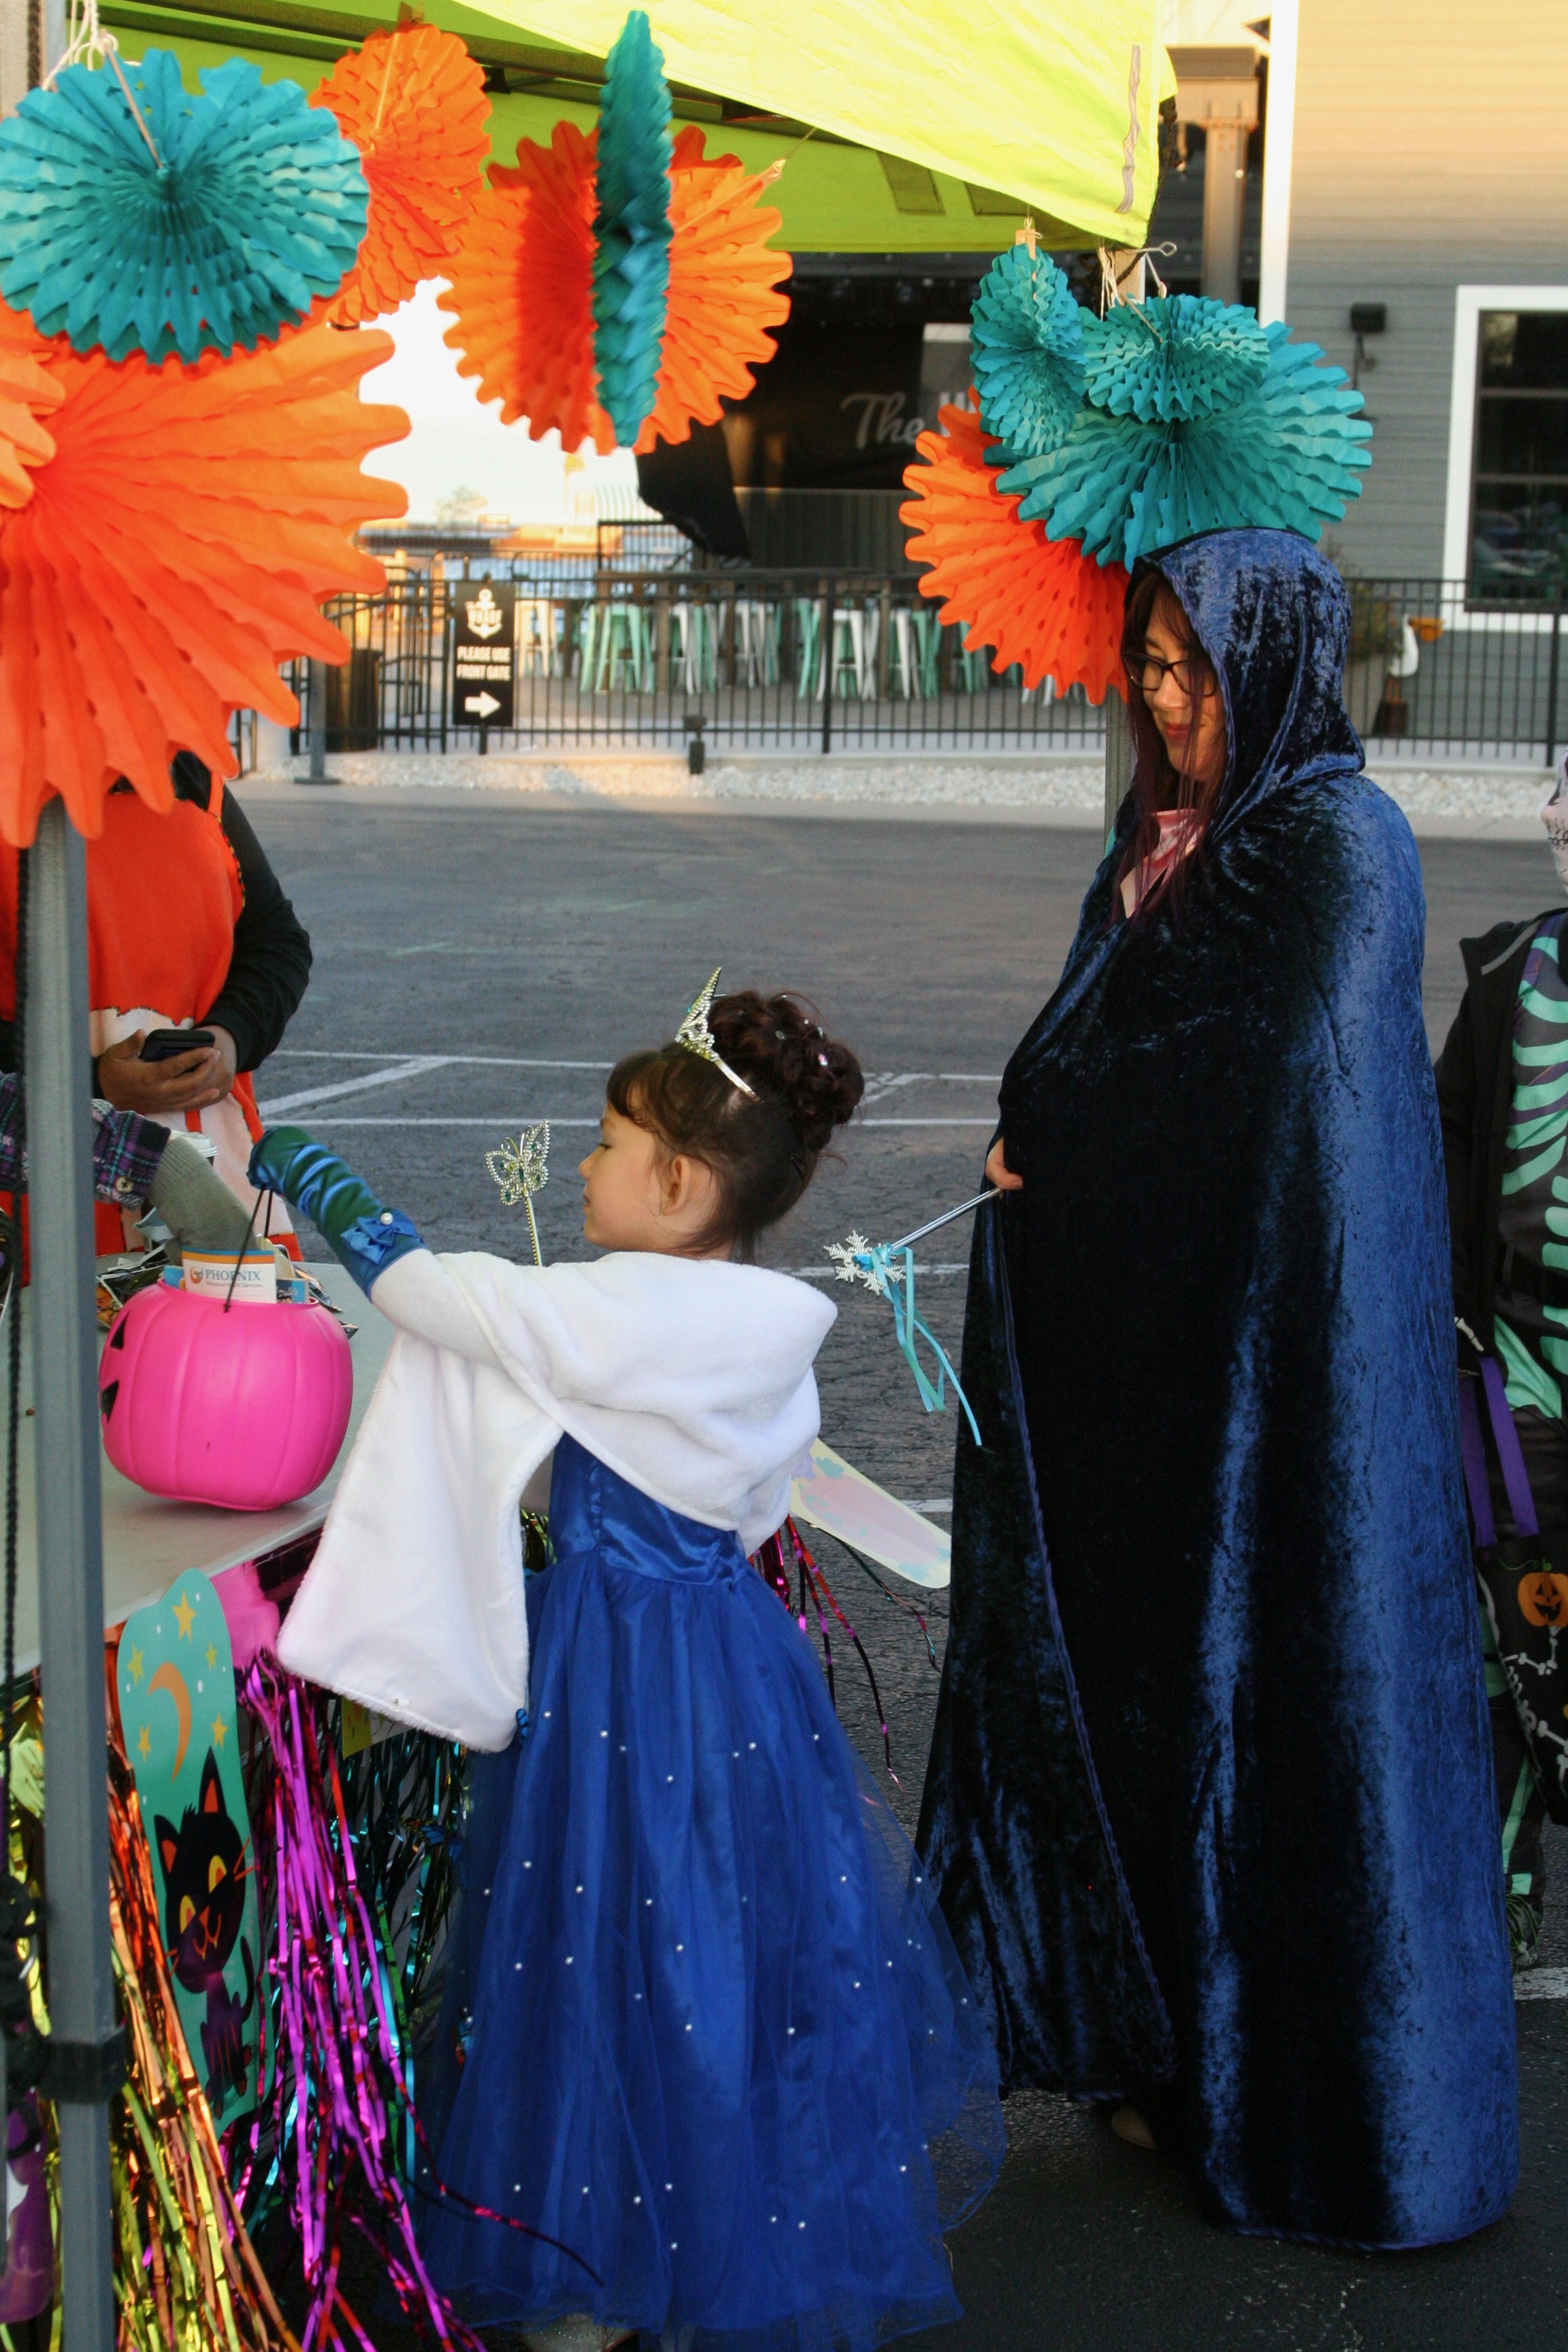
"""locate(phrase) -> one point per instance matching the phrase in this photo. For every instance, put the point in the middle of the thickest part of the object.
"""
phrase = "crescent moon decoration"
(169, 1678)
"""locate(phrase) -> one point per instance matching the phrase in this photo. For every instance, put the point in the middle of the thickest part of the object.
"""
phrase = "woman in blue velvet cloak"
(1209, 1807)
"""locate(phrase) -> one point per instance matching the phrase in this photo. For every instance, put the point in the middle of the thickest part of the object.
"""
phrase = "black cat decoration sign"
(176, 1685)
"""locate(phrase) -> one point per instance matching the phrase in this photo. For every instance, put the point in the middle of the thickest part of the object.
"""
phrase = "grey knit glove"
(195, 1203)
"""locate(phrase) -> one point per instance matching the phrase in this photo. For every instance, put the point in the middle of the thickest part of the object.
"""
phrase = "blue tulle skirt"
(719, 2047)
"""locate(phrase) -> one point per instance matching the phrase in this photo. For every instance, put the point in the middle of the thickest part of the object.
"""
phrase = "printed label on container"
(256, 1281)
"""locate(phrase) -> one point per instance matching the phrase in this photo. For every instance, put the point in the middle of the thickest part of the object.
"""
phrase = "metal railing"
(849, 661)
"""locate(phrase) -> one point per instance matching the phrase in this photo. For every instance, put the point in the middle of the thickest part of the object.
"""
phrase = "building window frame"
(1469, 302)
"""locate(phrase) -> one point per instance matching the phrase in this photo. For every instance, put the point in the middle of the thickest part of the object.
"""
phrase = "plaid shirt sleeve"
(126, 1149)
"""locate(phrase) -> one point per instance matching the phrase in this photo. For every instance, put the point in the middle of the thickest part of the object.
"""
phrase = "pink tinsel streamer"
(338, 2061)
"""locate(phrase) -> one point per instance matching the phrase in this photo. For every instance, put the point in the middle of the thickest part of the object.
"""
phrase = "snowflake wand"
(872, 1262)
(520, 1170)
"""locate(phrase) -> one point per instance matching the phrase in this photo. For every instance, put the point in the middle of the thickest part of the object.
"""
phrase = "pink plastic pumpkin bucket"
(246, 1409)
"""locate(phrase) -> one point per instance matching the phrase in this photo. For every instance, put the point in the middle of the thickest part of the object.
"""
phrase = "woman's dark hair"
(1156, 784)
(762, 1153)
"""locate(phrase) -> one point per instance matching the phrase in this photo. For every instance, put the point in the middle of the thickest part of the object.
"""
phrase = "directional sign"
(483, 653)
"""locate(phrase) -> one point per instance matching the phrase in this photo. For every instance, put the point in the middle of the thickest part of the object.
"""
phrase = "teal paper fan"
(1289, 457)
(1168, 361)
(253, 205)
(1026, 342)
(632, 228)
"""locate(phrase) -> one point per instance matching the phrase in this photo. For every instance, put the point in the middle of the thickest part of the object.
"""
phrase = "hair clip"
(696, 1037)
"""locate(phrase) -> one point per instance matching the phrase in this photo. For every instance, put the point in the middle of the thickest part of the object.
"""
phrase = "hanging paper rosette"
(138, 216)
(631, 228)
(175, 551)
(723, 276)
(521, 291)
(1031, 600)
(1288, 455)
(27, 394)
(1027, 334)
(1169, 360)
(412, 101)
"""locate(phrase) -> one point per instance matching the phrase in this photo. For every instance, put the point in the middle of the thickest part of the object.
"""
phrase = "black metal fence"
(805, 660)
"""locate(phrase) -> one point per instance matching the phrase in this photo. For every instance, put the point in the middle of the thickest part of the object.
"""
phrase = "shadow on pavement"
(1086, 2243)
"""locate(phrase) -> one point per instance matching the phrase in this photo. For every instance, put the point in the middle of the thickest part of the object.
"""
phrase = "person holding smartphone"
(188, 928)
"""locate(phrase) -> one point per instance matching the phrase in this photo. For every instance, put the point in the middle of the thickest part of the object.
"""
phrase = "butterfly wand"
(521, 1170)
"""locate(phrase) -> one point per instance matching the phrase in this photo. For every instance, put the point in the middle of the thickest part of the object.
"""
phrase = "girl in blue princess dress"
(723, 2057)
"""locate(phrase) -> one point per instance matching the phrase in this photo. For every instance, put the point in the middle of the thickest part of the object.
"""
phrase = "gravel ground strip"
(1478, 793)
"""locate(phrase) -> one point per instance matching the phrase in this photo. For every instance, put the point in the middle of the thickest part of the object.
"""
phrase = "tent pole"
(1130, 274)
(1118, 755)
(85, 2061)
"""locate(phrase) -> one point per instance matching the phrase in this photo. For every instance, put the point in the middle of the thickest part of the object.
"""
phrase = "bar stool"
(756, 658)
(623, 644)
(536, 654)
(867, 639)
(904, 658)
(928, 638)
(808, 646)
(692, 647)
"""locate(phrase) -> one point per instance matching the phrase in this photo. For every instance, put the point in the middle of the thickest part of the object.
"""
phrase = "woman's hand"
(186, 1082)
(997, 1171)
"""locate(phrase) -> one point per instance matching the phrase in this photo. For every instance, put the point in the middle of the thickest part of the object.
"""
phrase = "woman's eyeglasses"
(1192, 673)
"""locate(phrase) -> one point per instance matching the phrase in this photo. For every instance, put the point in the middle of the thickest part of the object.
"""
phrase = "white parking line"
(478, 1061)
(415, 1066)
(500, 1121)
(878, 1080)
(888, 1082)
(510, 1119)
(1541, 1984)
(410, 1066)
(830, 1273)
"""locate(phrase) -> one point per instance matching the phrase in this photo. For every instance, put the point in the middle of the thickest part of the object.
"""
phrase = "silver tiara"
(697, 1037)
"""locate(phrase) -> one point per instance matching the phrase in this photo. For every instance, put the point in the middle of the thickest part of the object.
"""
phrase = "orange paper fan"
(723, 280)
(412, 101)
(175, 551)
(521, 289)
(522, 284)
(1036, 601)
(27, 393)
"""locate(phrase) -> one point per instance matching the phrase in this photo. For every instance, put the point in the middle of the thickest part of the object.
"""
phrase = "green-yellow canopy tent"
(907, 130)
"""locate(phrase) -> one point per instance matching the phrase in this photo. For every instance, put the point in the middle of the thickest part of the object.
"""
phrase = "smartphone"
(162, 1044)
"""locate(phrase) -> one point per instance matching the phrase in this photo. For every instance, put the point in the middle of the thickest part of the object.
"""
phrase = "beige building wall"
(1431, 151)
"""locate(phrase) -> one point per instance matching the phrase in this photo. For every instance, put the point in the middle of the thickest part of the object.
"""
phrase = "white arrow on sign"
(481, 703)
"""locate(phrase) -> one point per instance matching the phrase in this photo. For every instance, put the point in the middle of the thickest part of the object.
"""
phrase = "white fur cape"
(691, 1378)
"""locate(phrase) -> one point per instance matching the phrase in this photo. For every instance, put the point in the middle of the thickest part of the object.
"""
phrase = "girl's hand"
(997, 1171)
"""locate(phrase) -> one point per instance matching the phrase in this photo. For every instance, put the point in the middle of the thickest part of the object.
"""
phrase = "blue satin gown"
(722, 2048)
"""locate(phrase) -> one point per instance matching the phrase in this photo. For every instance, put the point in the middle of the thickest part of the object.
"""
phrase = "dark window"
(1519, 489)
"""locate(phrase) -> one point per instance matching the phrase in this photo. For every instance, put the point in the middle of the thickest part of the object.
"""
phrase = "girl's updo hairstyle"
(763, 1153)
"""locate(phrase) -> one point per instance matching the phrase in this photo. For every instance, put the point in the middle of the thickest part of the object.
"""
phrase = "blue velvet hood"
(1210, 1805)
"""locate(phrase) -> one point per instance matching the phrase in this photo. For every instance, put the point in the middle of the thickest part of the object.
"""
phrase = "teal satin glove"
(364, 1235)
